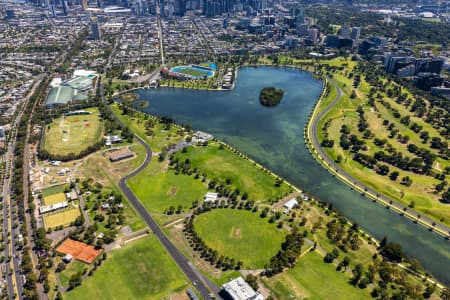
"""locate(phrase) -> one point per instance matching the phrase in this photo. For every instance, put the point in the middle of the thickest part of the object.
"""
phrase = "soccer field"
(55, 198)
(158, 188)
(52, 190)
(193, 72)
(63, 218)
(240, 234)
(72, 134)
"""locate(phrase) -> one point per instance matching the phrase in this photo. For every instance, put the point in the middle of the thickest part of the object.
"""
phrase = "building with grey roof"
(59, 95)
(239, 289)
(72, 90)
(81, 83)
(49, 208)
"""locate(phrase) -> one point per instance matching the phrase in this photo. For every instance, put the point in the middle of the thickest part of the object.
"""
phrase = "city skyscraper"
(313, 35)
(10, 14)
(64, 7)
(345, 31)
(52, 7)
(356, 32)
(300, 15)
(180, 7)
(301, 28)
(96, 31)
(217, 7)
(162, 12)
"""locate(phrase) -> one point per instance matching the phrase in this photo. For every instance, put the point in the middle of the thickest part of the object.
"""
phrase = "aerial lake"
(273, 136)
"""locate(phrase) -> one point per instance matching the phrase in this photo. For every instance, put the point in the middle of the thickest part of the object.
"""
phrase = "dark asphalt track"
(427, 222)
(204, 286)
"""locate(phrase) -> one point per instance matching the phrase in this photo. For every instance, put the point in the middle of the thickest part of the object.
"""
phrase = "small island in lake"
(270, 96)
(143, 104)
(128, 97)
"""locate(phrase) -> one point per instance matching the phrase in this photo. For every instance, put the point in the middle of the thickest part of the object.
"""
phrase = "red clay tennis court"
(79, 250)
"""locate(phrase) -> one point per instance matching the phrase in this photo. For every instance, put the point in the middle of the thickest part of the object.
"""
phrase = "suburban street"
(14, 280)
(355, 183)
(6, 221)
(161, 43)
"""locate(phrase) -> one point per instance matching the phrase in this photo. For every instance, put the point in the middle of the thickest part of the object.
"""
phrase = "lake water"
(274, 137)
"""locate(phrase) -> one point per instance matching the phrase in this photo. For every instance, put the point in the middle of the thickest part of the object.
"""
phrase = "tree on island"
(270, 96)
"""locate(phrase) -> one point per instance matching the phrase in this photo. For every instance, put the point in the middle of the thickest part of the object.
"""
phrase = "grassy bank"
(421, 194)
(240, 234)
(313, 279)
(159, 188)
(222, 163)
(139, 270)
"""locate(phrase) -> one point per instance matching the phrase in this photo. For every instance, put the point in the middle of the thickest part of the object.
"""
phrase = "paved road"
(161, 41)
(6, 211)
(116, 44)
(427, 222)
(87, 221)
(202, 284)
(14, 281)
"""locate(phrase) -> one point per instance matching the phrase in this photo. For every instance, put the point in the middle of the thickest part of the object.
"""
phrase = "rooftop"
(52, 207)
(79, 83)
(239, 289)
(291, 203)
(80, 72)
(59, 95)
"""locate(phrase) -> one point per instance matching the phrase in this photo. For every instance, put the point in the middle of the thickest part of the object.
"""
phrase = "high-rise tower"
(64, 7)
(96, 31)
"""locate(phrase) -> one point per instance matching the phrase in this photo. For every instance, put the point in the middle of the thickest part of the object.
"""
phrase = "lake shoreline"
(187, 105)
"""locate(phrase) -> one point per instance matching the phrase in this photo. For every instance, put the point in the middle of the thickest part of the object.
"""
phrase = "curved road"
(353, 182)
(204, 286)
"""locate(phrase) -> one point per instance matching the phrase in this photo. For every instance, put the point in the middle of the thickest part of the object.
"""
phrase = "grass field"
(52, 190)
(177, 236)
(63, 218)
(160, 137)
(240, 234)
(193, 72)
(73, 134)
(71, 269)
(344, 112)
(313, 279)
(140, 270)
(159, 188)
(223, 164)
(99, 168)
(55, 198)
